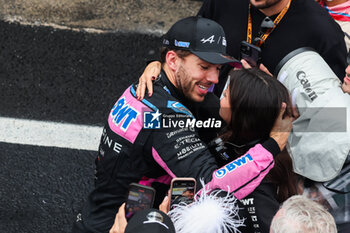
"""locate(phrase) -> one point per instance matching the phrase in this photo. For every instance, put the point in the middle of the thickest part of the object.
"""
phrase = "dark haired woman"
(250, 105)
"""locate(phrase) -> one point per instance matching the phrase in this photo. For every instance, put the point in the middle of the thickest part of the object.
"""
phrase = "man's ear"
(172, 60)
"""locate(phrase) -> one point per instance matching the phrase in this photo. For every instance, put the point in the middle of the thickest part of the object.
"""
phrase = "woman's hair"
(283, 177)
(255, 100)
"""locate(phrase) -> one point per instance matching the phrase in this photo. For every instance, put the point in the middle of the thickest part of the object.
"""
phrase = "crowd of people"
(199, 112)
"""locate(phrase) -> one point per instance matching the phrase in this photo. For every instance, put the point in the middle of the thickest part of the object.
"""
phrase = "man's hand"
(282, 127)
(145, 81)
(295, 112)
(263, 68)
(164, 206)
(120, 221)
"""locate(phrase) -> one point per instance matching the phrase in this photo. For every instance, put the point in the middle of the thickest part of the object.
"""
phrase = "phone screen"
(139, 198)
(182, 191)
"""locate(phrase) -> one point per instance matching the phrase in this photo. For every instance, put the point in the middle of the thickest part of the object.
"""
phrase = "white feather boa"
(208, 214)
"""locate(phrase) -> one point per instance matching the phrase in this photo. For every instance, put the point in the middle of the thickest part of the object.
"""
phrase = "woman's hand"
(246, 65)
(145, 81)
(282, 127)
(120, 221)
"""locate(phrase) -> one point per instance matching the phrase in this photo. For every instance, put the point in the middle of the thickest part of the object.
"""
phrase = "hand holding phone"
(140, 197)
(250, 53)
(182, 190)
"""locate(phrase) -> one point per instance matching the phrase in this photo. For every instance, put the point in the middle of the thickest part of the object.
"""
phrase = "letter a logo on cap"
(210, 40)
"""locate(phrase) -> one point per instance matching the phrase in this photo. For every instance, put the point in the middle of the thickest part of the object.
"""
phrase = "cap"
(189, 189)
(150, 221)
(203, 37)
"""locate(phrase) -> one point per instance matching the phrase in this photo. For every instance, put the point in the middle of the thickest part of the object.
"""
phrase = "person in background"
(211, 212)
(340, 12)
(346, 83)
(145, 221)
(300, 214)
(294, 24)
(278, 27)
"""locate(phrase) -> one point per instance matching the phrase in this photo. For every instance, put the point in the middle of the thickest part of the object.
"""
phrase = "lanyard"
(266, 34)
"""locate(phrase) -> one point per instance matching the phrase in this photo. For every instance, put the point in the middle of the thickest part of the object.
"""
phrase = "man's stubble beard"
(268, 4)
(183, 82)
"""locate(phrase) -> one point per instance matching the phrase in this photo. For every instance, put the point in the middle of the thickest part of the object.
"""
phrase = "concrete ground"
(154, 16)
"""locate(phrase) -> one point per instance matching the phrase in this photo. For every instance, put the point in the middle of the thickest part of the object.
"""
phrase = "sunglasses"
(267, 25)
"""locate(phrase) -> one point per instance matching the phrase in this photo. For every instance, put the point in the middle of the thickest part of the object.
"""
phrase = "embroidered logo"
(209, 39)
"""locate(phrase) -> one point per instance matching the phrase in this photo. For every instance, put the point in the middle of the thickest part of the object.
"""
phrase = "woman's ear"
(172, 60)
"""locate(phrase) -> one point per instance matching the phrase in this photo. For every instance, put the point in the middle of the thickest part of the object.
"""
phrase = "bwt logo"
(122, 112)
(182, 44)
(233, 165)
(151, 120)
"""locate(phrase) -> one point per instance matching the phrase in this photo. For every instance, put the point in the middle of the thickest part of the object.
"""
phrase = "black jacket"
(306, 24)
(258, 208)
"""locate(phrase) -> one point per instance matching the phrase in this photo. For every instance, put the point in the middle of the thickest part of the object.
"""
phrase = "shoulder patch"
(178, 107)
(123, 114)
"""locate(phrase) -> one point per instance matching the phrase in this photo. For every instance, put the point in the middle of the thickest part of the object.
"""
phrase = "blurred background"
(134, 15)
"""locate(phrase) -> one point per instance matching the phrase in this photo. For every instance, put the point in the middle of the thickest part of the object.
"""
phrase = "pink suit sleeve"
(241, 176)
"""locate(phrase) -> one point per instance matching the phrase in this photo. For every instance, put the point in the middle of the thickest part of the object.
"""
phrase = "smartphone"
(250, 53)
(140, 197)
(182, 190)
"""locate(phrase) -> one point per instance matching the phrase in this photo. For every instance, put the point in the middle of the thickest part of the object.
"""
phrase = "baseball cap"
(150, 221)
(203, 37)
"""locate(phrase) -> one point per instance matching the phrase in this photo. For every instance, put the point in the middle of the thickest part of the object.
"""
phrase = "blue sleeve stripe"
(146, 102)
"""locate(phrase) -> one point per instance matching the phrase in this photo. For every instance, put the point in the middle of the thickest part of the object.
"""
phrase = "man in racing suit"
(138, 146)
